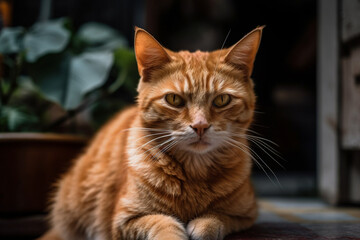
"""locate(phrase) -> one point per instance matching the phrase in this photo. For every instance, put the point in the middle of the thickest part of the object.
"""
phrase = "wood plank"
(350, 20)
(30, 226)
(350, 126)
(29, 169)
(354, 177)
(328, 100)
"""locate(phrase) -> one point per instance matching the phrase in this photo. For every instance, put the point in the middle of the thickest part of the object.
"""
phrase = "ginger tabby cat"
(177, 165)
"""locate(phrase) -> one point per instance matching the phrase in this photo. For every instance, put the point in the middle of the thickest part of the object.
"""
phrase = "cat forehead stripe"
(195, 71)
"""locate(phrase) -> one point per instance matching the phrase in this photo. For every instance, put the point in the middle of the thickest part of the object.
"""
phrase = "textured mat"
(302, 219)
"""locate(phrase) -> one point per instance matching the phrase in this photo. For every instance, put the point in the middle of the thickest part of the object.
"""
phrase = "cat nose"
(200, 127)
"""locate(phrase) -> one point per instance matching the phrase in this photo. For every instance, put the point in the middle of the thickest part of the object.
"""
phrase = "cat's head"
(202, 100)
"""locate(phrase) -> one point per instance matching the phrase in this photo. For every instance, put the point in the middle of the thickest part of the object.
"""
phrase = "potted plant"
(57, 86)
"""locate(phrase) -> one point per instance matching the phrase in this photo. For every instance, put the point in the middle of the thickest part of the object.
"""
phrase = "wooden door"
(339, 101)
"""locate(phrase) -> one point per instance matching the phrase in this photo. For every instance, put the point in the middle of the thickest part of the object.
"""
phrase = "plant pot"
(30, 164)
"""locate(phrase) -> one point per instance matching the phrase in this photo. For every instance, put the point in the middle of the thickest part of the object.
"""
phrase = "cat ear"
(242, 54)
(149, 53)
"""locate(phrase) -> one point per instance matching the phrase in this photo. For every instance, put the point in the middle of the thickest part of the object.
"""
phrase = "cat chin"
(200, 147)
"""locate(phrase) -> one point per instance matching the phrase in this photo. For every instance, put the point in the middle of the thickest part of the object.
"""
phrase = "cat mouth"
(199, 146)
(200, 142)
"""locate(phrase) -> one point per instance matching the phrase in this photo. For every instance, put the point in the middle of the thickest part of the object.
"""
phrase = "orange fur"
(147, 174)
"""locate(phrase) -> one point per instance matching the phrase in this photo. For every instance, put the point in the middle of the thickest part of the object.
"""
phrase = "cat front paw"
(205, 228)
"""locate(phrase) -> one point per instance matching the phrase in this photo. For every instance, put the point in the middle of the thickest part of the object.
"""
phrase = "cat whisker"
(166, 148)
(266, 148)
(258, 135)
(157, 146)
(217, 63)
(171, 145)
(160, 144)
(149, 135)
(256, 156)
(259, 144)
(152, 140)
(252, 157)
(265, 145)
(253, 132)
(146, 129)
(261, 140)
(180, 134)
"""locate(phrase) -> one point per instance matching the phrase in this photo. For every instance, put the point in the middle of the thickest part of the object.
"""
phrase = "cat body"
(176, 165)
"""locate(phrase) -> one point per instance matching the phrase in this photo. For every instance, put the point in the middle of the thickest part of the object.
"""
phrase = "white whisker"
(227, 35)
(166, 148)
(159, 145)
(146, 129)
(262, 141)
(149, 135)
(253, 158)
(258, 157)
(259, 145)
(152, 140)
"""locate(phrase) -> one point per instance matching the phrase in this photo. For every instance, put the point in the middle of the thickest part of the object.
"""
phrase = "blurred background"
(306, 76)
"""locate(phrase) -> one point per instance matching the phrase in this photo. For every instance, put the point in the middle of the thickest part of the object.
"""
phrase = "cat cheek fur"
(127, 186)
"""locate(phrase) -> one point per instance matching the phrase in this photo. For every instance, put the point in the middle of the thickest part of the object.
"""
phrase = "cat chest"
(192, 201)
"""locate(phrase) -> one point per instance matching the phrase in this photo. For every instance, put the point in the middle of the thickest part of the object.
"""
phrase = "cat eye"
(222, 100)
(174, 100)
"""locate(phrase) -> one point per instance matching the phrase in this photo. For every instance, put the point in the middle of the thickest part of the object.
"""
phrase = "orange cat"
(176, 165)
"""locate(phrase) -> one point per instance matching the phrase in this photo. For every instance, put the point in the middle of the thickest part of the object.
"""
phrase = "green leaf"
(125, 58)
(51, 74)
(13, 119)
(88, 71)
(5, 86)
(125, 61)
(100, 37)
(66, 79)
(25, 82)
(46, 37)
(10, 40)
(28, 94)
